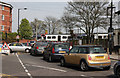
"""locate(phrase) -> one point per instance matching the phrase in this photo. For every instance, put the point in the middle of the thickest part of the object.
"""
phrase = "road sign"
(17, 37)
(5, 49)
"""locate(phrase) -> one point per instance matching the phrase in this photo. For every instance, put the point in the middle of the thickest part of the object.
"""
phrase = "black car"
(55, 50)
(38, 48)
(117, 69)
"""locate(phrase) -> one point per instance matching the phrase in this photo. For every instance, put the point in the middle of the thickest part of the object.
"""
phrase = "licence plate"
(62, 51)
(99, 57)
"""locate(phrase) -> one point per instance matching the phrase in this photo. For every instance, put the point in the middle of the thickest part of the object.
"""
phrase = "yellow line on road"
(8, 76)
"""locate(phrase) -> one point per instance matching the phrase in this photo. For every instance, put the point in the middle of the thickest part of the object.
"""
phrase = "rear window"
(41, 43)
(61, 46)
(94, 50)
(32, 41)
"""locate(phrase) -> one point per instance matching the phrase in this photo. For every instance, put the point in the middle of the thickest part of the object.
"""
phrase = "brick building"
(5, 17)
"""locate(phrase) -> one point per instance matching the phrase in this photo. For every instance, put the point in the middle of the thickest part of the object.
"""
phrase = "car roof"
(87, 46)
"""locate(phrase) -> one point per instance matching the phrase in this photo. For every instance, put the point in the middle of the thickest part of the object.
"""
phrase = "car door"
(71, 56)
(20, 47)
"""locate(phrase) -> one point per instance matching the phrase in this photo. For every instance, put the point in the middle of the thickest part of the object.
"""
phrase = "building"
(5, 17)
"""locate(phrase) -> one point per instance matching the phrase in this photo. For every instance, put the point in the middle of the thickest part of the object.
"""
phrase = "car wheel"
(27, 50)
(11, 51)
(62, 62)
(118, 72)
(44, 57)
(50, 58)
(106, 68)
(83, 66)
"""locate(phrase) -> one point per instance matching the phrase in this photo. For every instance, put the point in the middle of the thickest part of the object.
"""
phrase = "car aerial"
(117, 69)
(87, 56)
(18, 47)
(38, 48)
(54, 51)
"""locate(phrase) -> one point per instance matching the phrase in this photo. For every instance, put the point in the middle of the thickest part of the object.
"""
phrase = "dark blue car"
(54, 51)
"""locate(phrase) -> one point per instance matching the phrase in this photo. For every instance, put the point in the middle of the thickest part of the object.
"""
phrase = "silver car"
(19, 47)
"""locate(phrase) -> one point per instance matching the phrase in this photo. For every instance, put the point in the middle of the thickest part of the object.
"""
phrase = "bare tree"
(38, 27)
(89, 15)
(52, 25)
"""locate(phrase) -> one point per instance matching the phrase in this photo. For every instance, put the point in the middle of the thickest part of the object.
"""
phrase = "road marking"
(49, 68)
(24, 66)
(82, 75)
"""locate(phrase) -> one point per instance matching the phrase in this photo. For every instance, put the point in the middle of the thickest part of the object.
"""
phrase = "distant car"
(18, 47)
(26, 44)
(87, 56)
(117, 69)
(32, 42)
(38, 48)
(54, 51)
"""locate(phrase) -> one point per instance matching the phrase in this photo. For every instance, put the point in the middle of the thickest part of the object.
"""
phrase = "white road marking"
(82, 75)
(55, 69)
(24, 66)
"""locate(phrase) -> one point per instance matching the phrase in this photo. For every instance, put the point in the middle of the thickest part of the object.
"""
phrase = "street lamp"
(18, 18)
(110, 29)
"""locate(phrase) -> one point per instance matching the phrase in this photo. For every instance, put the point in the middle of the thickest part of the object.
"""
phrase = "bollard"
(108, 50)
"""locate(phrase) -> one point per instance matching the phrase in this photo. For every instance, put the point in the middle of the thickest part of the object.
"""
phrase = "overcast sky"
(37, 9)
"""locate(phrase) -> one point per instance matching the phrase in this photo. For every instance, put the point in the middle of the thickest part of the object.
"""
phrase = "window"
(53, 37)
(2, 7)
(2, 27)
(2, 17)
(83, 50)
(74, 50)
(49, 37)
(64, 37)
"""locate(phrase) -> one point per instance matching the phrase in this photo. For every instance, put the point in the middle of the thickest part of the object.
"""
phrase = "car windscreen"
(61, 46)
(41, 43)
(32, 41)
(94, 50)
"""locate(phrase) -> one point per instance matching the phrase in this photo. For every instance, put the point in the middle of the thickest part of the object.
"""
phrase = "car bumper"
(39, 52)
(100, 64)
(56, 56)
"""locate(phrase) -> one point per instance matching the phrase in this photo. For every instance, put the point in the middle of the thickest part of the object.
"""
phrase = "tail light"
(37, 47)
(69, 49)
(108, 57)
(89, 57)
(53, 50)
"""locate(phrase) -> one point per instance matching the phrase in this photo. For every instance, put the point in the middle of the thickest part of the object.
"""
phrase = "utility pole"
(110, 30)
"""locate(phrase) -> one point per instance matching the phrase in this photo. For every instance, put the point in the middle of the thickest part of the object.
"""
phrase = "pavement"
(115, 57)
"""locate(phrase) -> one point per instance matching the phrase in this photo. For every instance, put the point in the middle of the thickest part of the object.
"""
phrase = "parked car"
(18, 47)
(26, 44)
(38, 48)
(117, 69)
(54, 51)
(87, 56)
(32, 42)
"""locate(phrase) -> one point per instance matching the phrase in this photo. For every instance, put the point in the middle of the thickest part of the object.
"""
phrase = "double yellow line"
(6, 75)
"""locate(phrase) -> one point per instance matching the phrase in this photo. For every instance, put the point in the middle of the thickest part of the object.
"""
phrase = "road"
(24, 65)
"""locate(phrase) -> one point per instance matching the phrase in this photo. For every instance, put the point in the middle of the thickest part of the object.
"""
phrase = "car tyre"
(11, 51)
(27, 50)
(50, 58)
(62, 62)
(83, 66)
(106, 68)
(118, 72)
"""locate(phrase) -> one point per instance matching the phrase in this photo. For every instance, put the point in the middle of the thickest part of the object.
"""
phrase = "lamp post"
(110, 29)
(18, 18)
